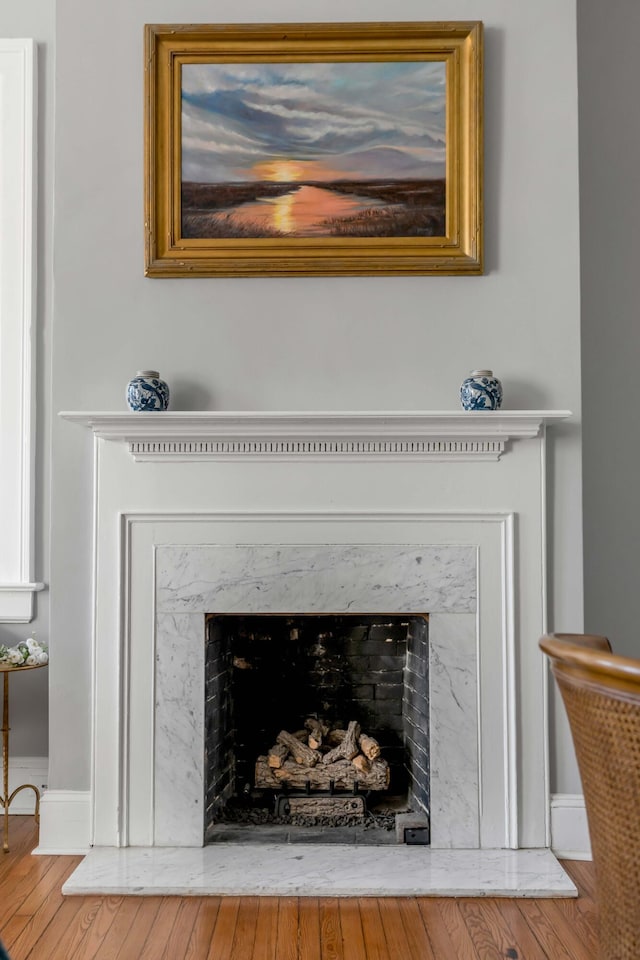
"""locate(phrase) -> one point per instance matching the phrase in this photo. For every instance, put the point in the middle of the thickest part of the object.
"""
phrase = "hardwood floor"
(38, 923)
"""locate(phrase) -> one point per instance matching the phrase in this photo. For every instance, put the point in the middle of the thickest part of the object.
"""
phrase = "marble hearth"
(209, 521)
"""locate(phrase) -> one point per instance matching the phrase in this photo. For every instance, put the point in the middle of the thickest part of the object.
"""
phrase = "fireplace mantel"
(379, 435)
(315, 512)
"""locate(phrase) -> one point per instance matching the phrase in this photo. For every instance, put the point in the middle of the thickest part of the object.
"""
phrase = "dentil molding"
(426, 435)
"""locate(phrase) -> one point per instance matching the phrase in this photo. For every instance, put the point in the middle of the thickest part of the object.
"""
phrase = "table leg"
(5, 763)
(6, 797)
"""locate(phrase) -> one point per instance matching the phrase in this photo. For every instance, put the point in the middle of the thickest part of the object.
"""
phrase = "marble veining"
(300, 870)
(453, 707)
(310, 578)
(179, 730)
(288, 578)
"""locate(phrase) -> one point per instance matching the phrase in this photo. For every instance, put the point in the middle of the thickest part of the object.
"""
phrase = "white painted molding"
(34, 770)
(393, 435)
(510, 685)
(17, 326)
(114, 788)
(569, 828)
(16, 601)
(65, 822)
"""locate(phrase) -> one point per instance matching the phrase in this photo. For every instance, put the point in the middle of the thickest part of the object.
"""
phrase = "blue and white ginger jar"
(481, 391)
(147, 392)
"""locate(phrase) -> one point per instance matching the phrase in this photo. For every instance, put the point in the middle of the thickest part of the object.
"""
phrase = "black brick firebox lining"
(267, 673)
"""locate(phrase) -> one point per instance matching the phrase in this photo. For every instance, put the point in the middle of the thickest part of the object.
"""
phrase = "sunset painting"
(323, 149)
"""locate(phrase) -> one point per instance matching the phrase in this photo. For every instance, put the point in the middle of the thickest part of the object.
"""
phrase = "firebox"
(316, 726)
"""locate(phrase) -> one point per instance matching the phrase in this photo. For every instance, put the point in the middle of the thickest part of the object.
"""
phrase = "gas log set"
(322, 761)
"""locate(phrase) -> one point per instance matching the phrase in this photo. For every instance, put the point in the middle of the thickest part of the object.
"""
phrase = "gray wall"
(36, 19)
(610, 244)
(349, 343)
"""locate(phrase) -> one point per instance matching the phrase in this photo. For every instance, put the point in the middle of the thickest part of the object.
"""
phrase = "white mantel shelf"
(380, 435)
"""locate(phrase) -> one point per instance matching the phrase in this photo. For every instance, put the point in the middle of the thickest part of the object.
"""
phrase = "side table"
(6, 798)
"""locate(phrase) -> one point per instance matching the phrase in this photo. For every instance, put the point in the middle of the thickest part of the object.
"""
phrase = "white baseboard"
(34, 770)
(65, 822)
(569, 829)
(65, 817)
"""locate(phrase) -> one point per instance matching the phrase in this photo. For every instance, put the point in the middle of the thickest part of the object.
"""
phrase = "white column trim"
(544, 616)
(18, 182)
(510, 682)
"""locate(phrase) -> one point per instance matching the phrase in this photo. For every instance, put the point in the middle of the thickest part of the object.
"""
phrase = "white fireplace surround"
(472, 778)
(277, 513)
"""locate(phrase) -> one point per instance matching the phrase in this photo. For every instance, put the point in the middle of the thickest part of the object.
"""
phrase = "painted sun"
(280, 171)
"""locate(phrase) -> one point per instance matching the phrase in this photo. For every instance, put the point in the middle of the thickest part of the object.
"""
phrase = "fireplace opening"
(317, 728)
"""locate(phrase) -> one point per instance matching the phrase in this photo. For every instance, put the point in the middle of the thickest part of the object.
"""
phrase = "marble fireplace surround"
(320, 578)
(166, 557)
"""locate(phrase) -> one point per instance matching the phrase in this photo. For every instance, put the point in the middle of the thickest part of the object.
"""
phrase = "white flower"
(28, 652)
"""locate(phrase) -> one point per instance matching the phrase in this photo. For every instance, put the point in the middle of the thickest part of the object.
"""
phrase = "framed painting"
(313, 149)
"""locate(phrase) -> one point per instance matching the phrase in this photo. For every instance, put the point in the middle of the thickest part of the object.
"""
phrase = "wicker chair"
(601, 693)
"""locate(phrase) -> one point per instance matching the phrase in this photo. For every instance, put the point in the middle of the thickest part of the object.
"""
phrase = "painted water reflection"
(300, 212)
(340, 208)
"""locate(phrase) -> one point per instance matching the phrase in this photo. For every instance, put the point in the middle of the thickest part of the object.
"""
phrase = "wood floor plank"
(545, 933)
(245, 933)
(266, 930)
(353, 945)
(527, 943)
(395, 934)
(159, 933)
(373, 930)
(95, 936)
(224, 930)
(287, 943)
(15, 861)
(38, 908)
(12, 931)
(571, 933)
(419, 943)
(136, 938)
(583, 874)
(70, 926)
(583, 915)
(444, 942)
(330, 930)
(490, 934)
(182, 928)
(124, 920)
(56, 870)
(309, 929)
(454, 921)
(70, 921)
(18, 888)
(13, 864)
(202, 932)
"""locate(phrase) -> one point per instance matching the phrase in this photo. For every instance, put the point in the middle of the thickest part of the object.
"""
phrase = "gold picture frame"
(313, 149)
